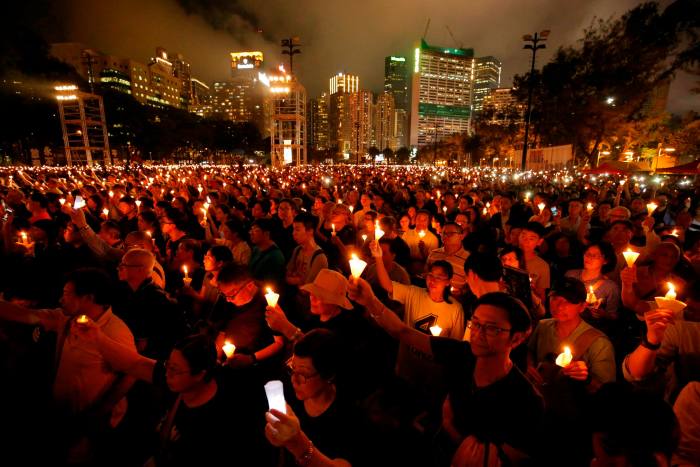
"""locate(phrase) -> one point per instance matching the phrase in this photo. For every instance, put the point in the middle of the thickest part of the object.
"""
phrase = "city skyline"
(330, 48)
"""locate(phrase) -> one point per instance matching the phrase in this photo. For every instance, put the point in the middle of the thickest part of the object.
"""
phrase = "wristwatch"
(646, 344)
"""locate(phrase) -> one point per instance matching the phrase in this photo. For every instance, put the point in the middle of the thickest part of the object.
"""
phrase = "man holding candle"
(490, 402)
(454, 253)
(86, 389)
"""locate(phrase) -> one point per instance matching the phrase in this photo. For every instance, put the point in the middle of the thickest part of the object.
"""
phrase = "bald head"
(139, 258)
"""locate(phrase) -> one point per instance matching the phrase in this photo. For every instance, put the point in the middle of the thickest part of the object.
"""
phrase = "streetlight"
(532, 43)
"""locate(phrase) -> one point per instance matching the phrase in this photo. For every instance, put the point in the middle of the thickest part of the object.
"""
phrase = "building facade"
(396, 73)
(344, 83)
(487, 76)
(441, 93)
(318, 123)
(501, 107)
(384, 122)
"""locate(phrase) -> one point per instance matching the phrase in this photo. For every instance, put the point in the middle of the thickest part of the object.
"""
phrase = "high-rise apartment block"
(396, 73)
(441, 92)
(318, 122)
(487, 76)
(384, 122)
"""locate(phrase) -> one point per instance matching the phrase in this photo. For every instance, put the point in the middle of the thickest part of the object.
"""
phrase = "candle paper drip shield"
(669, 301)
(274, 390)
(564, 358)
(357, 266)
(271, 297)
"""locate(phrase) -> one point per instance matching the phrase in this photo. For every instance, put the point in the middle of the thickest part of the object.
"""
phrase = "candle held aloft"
(274, 390)
(364, 238)
(228, 349)
(630, 257)
(62, 201)
(271, 297)
(651, 207)
(564, 359)
(357, 266)
(435, 330)
(541, 206)
(378, 233)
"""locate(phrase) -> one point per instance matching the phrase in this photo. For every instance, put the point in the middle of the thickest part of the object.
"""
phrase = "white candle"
(105, 212)
(274, 390)
(564, 359)
(62, 201)
(185, 271)
(271, 297)
(630, 257)
(671, 294)
(356, 266)
(421, 234)
(228, 349)
(111, 194)
(364, 238)
(138, 203)
(589, 207)
(651, 207)
(591, 299)
(435, 330)
(541, 206)
(378, 233)
(25, 240)
(352, 208)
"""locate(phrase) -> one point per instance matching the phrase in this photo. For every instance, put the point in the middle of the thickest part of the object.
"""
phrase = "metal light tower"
(532, 43)
(291, 47)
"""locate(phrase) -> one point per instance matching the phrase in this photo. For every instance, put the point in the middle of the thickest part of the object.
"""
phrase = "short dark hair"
(177, 217)
(221, 253)
(264, 224)
(290, 202)
(608, 252)
(627, 223)
(92, 281)
(518, 315)
(570, 289)
(535, 227)
(445, 265)
(128, 200)
(232, 273)
(323, 348)
(200, 353)
(306, 219)
(486, 266)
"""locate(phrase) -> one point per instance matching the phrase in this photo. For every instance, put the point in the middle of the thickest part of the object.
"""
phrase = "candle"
(674, 232)
(378, 233)
(356, 266)
(352, 208)
(138, 203)
(79, 202)
(149, 233)
(527, 196)
(444, 209)
(62, 201)
(105, 212)
(421, 234)
(185, 271)
(82, 319)
(228, 349)
(651, 207)
(25, 240)
(271, 297)
(435, 330)
(274, 390)
(332, 229)
(541, 206)
(111, 194)
(671, 294)
(591, 299)
(484, 211)
(364, 238)
(564, 359)
(622, 182)
(589, 207)
(630, 257)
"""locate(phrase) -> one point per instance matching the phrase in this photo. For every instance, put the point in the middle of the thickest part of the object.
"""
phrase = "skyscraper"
(384, 122)
(441, 92)
(360, 106)
(396, 69)
(344, 83)
(318, 122)
(244, 91)
(487, 76)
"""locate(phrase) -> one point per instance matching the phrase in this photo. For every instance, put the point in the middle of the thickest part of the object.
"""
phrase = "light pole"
(290, 47)
(532, 43)
(661, 149)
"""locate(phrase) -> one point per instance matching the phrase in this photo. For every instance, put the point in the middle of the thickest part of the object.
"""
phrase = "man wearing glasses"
(491, 408)
(239, 314)
(454, 253)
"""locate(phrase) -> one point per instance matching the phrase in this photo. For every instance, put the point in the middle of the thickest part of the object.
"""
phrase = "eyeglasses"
(489, 329)
(301, 377)
(233, 295)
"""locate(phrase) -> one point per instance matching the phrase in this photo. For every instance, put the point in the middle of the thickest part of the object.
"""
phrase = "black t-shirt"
(244, 325)
(227, 430)
(508, 411)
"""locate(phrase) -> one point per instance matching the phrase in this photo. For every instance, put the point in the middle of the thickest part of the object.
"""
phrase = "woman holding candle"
(323, 429)
(598, 260)
(641, 284)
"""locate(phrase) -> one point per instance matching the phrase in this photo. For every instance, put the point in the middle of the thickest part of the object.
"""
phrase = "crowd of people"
(415, 316)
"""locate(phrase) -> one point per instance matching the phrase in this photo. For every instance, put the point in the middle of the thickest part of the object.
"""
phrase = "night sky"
(351, 36)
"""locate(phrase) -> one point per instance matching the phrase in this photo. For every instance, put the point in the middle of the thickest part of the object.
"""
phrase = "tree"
(602, 86)
(403, 155)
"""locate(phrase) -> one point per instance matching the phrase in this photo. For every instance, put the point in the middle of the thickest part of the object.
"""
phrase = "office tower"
(487, 76)
(384, 122)
(396, 72)
(344, 83)
(441, 93)
(318, 123)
